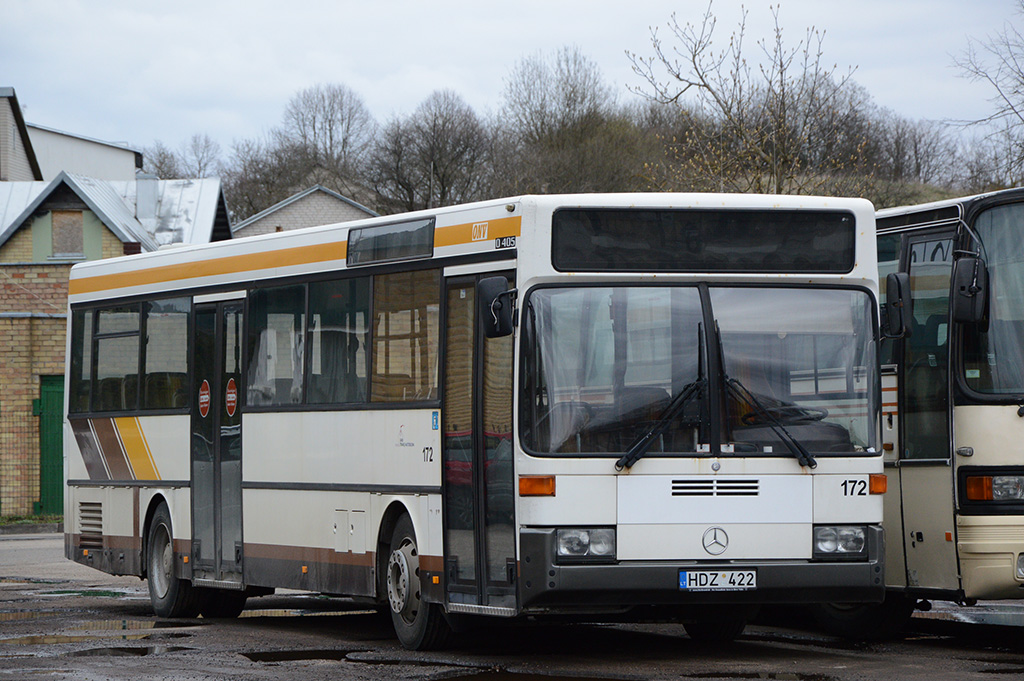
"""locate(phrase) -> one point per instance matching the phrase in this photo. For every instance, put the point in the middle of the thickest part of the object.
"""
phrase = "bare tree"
(780, 122)
(332, 128)
(435, 157)
(161, 161)
(200, 157)
(562, 130)
(998, 61)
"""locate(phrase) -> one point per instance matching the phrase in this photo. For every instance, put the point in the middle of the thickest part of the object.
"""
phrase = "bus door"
(477, 459)
(925, 457)
(217, 444)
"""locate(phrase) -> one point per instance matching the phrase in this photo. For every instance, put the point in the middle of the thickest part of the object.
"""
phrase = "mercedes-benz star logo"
(715, 541)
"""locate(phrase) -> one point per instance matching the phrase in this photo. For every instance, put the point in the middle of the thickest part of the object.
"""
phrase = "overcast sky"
(136, 71)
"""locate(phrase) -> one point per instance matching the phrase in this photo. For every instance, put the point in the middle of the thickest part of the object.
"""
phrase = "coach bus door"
(479, 527)
(926, 471)
(217, 444)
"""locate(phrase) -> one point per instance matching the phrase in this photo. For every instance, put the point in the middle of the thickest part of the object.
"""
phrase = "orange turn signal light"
(536, 485)
(979, 488)
(878, 483)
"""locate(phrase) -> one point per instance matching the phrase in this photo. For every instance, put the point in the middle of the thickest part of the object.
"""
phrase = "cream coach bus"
(953, 419)
(609, 406)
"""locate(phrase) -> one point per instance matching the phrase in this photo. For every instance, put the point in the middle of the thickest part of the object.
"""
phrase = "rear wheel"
(419, 625)
(171, 596)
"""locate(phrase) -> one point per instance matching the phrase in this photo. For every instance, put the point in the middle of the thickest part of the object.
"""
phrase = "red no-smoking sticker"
(204, 399)
(231, 397)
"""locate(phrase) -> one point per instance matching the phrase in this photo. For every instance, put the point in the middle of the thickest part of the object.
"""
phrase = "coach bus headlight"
(995, 487)
(1020, 566)
(586, 543)
(839, 541)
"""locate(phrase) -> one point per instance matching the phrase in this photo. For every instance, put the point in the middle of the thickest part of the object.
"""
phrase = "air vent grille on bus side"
(714, 487)
(90, 523)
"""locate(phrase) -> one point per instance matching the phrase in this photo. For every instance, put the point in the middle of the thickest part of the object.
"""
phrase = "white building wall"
(57, 151)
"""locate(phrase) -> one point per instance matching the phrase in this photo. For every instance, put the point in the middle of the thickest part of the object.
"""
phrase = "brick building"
(313, 207)
(46, 227)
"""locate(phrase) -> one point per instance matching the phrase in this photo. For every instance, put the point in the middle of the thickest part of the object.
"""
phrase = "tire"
(418, 624)
(865, 621)
(170, 596)
(221, 603)
(715, 630)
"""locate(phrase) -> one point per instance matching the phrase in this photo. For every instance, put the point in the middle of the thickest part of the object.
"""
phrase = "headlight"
(840, 541)
(584, 543)
(1020, 566)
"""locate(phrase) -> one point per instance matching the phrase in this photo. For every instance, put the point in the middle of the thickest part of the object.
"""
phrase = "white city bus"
(953, 407)
(607, 406)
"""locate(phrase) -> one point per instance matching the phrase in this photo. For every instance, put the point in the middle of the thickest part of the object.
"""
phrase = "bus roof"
(464, 230)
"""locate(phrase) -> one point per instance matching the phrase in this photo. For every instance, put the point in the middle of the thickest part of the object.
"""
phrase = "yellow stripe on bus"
(284, 257)
(454, 235)
(136, 447)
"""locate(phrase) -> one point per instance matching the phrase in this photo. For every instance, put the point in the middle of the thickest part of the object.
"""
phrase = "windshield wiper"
(672, 411)
(798, 450)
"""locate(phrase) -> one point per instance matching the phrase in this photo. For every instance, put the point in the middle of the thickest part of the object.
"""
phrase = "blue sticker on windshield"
(435, 420)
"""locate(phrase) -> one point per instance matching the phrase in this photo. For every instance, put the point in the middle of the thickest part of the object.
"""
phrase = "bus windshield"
(994, 359)
(601, 366)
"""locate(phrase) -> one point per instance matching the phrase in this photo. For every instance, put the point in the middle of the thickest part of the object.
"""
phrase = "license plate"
(717, 580)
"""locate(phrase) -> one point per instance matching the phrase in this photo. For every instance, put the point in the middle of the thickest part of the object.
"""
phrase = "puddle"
(19, 615)
(297, 655)
(127, 652)
(304, 613)
(61, 638)
(130, 625)
(101, 593)
(54, 639)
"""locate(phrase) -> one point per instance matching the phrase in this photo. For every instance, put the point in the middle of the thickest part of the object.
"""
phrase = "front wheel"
(419, 625)
(171, 597)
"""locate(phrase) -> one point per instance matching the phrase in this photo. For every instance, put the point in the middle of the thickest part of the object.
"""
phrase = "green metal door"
(51, 445)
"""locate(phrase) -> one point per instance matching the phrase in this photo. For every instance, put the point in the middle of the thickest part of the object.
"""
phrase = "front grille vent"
(715, 487)
(90, 524)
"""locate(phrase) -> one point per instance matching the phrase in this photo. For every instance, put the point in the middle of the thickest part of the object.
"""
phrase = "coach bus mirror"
(496, 302)
(970, 290)
(898, 307)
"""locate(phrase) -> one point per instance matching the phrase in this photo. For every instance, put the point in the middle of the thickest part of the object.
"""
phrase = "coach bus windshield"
(601, 365)
(994, 357)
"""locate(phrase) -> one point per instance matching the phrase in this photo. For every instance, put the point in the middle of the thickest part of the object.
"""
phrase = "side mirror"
(970, 290)
(898, 310)
(496, 304)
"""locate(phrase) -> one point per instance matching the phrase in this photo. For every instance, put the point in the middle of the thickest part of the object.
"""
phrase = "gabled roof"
(297, 197)
(185, 211)
(19, 121)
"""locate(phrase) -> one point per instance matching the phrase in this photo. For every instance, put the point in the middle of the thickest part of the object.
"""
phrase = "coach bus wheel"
(221, 603)
(171, 597)
(419, 625)
(865, 621)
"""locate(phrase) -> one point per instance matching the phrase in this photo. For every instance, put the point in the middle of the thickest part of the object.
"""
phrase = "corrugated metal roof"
(185, 210)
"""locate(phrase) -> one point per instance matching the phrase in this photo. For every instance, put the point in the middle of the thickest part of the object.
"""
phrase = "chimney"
(145, 196)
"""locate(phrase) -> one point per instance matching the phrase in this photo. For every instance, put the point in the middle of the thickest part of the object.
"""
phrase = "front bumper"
(545, 586)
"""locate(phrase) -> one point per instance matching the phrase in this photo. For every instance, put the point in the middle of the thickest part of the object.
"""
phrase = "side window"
(165, 385)
(116, 340)
(406, 308)
(339, 334)
(81, 361)
(888, 262)
(277, 319)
